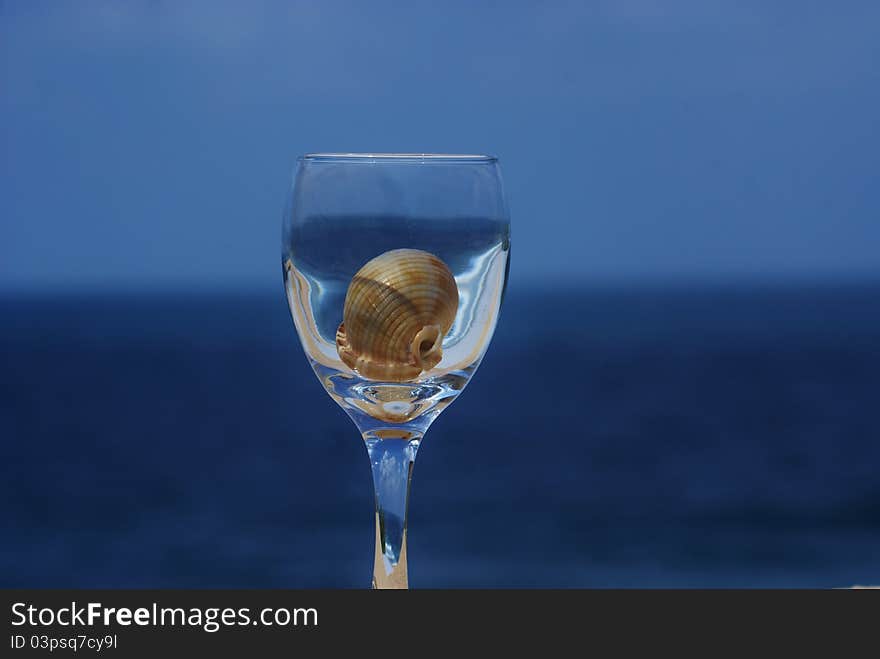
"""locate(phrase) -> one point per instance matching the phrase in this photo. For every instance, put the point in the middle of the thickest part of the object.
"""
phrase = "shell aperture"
(398, 308)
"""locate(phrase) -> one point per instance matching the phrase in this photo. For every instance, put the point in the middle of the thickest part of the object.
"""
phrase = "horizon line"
(598, 283)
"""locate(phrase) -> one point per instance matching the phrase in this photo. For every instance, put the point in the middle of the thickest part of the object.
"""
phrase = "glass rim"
(414, 158)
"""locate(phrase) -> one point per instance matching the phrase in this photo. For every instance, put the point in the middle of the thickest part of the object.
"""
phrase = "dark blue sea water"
(715, 437)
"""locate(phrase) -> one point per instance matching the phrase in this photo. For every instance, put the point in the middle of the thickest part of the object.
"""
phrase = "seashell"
(398, 308)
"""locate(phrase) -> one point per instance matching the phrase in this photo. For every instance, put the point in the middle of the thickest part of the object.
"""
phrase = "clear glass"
(395, 267)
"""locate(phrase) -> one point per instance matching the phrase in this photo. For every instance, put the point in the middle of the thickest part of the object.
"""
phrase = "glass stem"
(392, 455)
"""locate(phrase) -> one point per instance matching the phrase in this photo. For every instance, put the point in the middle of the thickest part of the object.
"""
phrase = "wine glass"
(395, 267)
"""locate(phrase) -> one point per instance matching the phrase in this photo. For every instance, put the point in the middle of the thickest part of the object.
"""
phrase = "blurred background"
(696, 237)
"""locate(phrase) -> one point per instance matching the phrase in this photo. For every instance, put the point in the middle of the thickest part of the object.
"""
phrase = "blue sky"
(150, 144)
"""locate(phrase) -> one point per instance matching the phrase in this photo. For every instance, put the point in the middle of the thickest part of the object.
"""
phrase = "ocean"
(613, 437)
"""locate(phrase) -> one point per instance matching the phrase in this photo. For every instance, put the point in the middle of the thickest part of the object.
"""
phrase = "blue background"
(151, 143)
(696, 229)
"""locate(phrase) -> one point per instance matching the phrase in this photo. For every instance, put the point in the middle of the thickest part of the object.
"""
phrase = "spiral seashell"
(398, 308)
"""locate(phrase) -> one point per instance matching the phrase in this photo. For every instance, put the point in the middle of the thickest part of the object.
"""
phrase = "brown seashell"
(398, 308)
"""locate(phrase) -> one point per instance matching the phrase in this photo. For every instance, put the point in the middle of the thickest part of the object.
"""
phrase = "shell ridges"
(398, 308)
